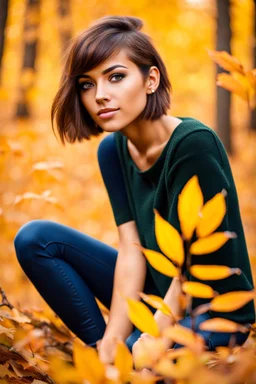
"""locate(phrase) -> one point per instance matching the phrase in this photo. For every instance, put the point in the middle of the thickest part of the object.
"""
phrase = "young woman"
(114, 81)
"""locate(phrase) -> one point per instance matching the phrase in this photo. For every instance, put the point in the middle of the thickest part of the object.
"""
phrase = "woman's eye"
(118, 74)
(84, 86)
(81, 86)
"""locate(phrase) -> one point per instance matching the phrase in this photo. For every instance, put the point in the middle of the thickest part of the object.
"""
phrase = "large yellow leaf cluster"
(201, 219)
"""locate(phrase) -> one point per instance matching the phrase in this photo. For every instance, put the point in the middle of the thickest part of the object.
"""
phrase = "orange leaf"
(160, 262)
(141, 316)
(213, 272)
(62, 371)
(226, 61)
(190, 203)
(231, 301)
(156, 302)
(213, 213)
(219, 324)
(169, 239)
(88, 364)
(228, 82)
(8, 331)
(123, 361)
(211, 243)
(184, 336)
(197, 289)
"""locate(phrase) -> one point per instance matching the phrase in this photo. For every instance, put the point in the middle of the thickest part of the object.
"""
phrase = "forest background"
(64, 183)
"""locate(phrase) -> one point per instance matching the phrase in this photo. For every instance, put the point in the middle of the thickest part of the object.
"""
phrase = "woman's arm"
(129, 279)
(172, 299)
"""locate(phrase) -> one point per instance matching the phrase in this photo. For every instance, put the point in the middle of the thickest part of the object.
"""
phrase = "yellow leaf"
(156, 302)
(8, 331)
(228, 82)
(123, 361)
(213, 272)
(62, 371)
(231, 301)
(88, 364)
(226, 61)
(213, 213)
(141, 316)
(160, 262)
(190, 203)
(219, 324)
(197, 289)
(211, 243)
(169, 239)
(184, 336)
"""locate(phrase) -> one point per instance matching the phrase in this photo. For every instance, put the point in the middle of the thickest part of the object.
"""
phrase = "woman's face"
(122, 88)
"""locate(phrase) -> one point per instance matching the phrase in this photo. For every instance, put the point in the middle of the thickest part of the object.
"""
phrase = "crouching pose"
(114, 81)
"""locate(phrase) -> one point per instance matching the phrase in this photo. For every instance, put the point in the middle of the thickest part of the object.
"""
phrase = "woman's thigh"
(93, 260)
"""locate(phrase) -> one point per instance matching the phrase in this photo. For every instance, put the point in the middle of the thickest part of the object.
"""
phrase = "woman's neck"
(146, 141)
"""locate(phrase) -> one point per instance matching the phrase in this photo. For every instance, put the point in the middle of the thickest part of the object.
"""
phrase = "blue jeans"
(69, 269)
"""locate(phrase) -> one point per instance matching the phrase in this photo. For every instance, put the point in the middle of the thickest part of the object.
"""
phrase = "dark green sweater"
(193, 149)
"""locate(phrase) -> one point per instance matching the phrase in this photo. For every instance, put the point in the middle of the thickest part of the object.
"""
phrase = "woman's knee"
(27, 236)
(132, 338)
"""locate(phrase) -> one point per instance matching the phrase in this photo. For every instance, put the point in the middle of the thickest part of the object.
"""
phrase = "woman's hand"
(106, 348)
(147, 350)
(138, 345)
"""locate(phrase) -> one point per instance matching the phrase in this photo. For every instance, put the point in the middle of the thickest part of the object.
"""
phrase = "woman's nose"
(101, 94)
(99, 99)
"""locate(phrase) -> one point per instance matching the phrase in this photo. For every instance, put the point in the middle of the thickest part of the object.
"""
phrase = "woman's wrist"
(163, 321)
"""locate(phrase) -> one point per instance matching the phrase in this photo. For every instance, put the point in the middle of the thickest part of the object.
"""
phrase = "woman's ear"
(153, 78)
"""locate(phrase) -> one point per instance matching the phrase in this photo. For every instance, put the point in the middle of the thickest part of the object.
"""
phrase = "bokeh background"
(41, 179)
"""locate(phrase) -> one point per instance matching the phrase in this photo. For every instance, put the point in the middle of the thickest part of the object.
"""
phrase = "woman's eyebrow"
(105, 71)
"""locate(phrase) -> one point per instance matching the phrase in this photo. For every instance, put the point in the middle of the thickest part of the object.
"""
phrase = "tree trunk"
(31, 27)
(65, 23)
(3, 19)
(223, 96)
(253, 113)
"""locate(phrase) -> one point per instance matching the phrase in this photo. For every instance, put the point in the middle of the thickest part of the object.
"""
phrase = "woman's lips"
(107, 115)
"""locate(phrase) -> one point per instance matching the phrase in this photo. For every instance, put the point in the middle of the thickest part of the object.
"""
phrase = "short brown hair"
(90, 48)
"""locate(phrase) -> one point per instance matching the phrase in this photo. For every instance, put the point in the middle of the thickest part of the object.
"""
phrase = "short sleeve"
(113, 178)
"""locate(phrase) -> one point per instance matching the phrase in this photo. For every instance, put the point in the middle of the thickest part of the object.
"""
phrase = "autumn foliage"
(58, 355)
(36, 347)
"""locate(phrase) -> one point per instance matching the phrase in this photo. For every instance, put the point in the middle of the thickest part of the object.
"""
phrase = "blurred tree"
(31, 26)
(223, 96)
(253, 113)
(65, 24)
(3, 19)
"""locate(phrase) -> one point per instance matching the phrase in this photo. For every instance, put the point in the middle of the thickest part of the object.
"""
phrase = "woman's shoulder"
(195, 137)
